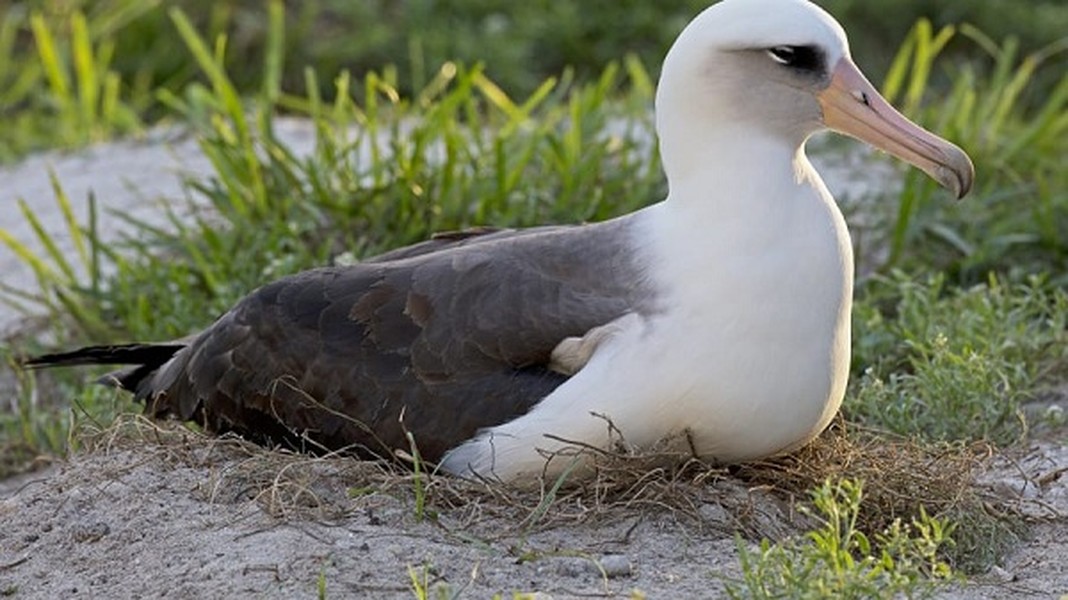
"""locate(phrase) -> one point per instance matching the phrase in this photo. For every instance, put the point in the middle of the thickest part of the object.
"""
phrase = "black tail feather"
(152, 355)
(145, 358)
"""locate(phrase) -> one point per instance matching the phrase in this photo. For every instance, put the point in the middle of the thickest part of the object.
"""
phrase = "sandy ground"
(137, 524)
(195, 519)
(179, 516)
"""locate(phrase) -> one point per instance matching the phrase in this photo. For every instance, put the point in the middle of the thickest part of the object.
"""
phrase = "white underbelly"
(740, 393)
(755, 333)
(762, 391)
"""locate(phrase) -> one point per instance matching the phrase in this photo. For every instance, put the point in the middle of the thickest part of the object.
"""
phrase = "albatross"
(721, 312)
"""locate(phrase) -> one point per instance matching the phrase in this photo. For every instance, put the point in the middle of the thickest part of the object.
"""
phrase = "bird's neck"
(733, 173)
(736, 201)
(746, 217)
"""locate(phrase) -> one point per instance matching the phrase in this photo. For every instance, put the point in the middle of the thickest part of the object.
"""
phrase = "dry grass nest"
(759, 499)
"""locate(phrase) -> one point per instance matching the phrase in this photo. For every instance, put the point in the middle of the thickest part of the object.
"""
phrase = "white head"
(780, 70)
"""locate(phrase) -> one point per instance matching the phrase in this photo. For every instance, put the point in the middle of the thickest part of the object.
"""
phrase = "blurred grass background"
(520, 44)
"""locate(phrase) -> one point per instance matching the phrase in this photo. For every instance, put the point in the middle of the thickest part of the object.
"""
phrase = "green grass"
(1015, 219)
(949, 363)
(385, 172)
(105, 61)
(837, 560)
(424, 587)
(431, 145)
(61, 90)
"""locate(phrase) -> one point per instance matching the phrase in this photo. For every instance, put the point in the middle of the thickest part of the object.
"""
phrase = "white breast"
(756, 315)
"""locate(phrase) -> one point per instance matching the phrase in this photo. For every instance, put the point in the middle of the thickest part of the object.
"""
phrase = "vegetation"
(111, 58)
(957, 363)
(524, 128)
(1015, 219)
(837, 560)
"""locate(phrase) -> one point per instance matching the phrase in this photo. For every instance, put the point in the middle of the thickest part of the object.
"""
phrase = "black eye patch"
(802, 58)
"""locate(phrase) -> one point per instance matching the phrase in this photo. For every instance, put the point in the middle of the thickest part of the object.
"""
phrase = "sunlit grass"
(67, 94)
(1017, 215)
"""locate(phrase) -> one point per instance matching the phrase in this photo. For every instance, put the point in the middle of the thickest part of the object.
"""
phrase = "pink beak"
(851, 105)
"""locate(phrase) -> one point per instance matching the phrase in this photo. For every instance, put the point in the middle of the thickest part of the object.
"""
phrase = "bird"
(721, 312)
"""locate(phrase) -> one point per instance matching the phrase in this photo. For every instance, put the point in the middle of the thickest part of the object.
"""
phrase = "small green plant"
(419, 480)
(954, 364)
(27, 432)
(32, 429)
(836, 560)
(423, 587)
(60, 279)
(320, 584)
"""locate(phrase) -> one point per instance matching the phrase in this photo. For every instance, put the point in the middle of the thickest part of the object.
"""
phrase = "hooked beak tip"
(957, 173)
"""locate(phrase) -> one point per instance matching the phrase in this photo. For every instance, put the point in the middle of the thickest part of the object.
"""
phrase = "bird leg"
(571, 354)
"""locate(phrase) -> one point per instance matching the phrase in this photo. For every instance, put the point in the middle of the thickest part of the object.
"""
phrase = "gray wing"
(445, 240)
(439, 340)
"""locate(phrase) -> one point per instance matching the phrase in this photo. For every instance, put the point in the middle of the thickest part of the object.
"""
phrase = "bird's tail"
(144, 359)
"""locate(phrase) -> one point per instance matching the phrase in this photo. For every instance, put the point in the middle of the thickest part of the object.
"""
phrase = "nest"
(901, 477)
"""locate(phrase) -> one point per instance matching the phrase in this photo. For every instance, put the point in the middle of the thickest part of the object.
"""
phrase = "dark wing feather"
(445, 240)
(453, 338)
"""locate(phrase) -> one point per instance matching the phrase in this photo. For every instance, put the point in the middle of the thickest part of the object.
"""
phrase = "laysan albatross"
(722, 311)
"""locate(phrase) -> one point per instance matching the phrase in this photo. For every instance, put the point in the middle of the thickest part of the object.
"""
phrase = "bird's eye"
(804, 58)
(784, 55)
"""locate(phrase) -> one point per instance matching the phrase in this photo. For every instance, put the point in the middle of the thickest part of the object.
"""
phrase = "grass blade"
(75, 232)
(47, 241)
(53, 66)
(84, 70)
(275, 57)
